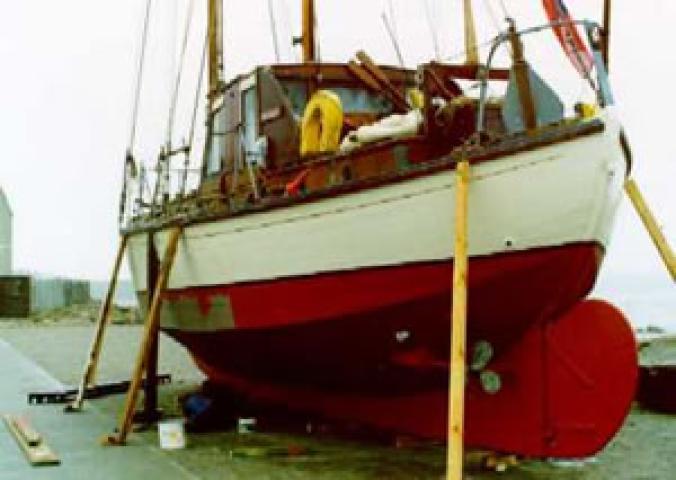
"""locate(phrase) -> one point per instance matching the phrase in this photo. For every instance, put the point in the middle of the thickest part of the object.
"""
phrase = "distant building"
(5, 235)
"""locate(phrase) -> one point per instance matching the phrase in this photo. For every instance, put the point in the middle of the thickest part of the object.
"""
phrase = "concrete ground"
(72, 436)
(645, 449)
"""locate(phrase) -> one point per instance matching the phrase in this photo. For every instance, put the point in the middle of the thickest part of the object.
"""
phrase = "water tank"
(5, 235)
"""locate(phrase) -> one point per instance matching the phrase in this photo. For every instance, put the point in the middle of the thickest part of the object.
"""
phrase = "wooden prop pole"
(456, 384)
(89, 374)
(151, 324)
(658, 238)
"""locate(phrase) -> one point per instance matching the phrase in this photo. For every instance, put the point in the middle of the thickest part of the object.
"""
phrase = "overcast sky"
(68, 72)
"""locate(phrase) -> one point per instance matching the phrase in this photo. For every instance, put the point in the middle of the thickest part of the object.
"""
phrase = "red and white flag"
(569, 37)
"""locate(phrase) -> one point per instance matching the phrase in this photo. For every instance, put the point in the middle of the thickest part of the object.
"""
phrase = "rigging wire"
(433, 29)
(461, 53)
(491, 13)
(393, 38)
(179, 75)
(191, 137)
(139, 77)
(273, 30)
(393, 19)
(293, 52)
(504, 9)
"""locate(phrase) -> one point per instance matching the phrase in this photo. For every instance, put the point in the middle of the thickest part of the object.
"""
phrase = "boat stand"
(457, 361)
(148, 342)
(150, 413)
(89, 374)
(651, 226)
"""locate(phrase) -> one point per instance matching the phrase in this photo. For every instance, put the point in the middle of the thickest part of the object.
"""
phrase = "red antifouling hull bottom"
(566, 387)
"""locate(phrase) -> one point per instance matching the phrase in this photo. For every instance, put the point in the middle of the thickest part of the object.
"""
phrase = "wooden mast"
(607, 8)
(309, 24)
(215, 34)
(471, 51)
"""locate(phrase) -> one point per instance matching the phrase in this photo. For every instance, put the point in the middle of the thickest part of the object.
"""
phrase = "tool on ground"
(150, 330)
(89, 374)
(30, 441)
(95, 391)
(457, 363)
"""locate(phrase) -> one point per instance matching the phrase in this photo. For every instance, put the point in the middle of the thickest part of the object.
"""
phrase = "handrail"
(593, 35)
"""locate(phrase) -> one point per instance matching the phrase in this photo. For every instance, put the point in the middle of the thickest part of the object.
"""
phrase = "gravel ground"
(644, 449)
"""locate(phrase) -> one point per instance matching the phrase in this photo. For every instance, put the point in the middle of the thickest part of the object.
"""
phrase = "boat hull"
(568, 368)
(340, 306)
(364, 329)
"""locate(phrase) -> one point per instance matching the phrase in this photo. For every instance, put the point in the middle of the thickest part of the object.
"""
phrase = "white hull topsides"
(559, 194)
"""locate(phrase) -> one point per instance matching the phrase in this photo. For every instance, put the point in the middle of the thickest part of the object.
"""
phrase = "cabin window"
(296, 91)
(249, 124)
(359, 100)
(354, 100)
(216, 151)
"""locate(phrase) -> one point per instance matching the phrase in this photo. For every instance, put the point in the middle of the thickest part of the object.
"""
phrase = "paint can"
(171, 434)
(246, 425)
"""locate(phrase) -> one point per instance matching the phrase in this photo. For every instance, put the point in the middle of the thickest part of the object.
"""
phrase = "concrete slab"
(74, 437)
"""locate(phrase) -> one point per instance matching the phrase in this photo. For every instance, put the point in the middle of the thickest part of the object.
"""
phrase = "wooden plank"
(380, 76)
(456, 381)
(28, 433)
(439, 84)
(151, 324)
(651, 226)
(89, 374)
(37, 452)
(469, 72)
(363, 76)
(336, 72)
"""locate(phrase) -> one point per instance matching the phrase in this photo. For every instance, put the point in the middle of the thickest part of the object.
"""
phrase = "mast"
(607, 8)
(215, 34)
(471, 52)
(308, 38)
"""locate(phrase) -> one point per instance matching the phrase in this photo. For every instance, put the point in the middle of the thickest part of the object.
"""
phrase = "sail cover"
(568, 36)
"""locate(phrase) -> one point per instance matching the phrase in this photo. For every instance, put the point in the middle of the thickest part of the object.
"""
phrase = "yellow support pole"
(650, 224)
(89, 374)
(456, 383)
(151, 324)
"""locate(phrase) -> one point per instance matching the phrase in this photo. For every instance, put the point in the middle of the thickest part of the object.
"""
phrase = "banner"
(569, 37)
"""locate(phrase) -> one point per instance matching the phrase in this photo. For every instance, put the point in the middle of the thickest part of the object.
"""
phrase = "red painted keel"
(567, 386)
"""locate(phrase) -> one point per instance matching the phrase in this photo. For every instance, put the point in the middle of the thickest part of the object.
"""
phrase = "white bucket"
(172, 434)
(246, 425)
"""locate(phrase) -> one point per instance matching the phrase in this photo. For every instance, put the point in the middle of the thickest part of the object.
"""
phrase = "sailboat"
(314, 268)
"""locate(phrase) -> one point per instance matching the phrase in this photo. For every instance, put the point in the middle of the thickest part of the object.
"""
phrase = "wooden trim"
(517, 143)
(37, 452)
(336, 72)
(469, 72)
